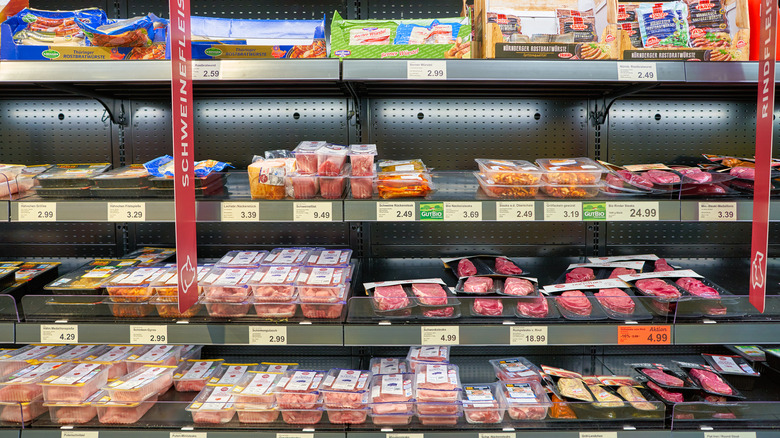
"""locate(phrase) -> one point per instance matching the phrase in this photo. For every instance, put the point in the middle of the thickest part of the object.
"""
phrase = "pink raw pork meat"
(674, 397)
(488, 412)
(304, 187)
(535, 308)
(580, 274)
(575, 302)
(441, 312)
(332, 187)
(743, 172)
(715, 308)
(478, 285)
(390, 297)
(222, 294)
(529, 413)
(662, 377)
(518, 286)
(662, 177)
(621, 271)
(696, 174)
(658, 288)
(616, 300)
(710, 381)
(506, 267)
(696, 287)
(322, 311)
(273, 294)
(634, 179)
(430, 294)
(705, 189)
(662, 266)
(466, 268)
(488, 306)
(362, 187)
(257, 417)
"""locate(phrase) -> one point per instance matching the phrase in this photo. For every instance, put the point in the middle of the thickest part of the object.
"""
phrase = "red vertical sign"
(183, 144)
(764, 116)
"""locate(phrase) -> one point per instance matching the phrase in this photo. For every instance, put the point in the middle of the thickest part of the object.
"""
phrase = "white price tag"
(59, 334)
(463, 211)
(637, 71)
(515, 211)
(206, 70)
(563, 211)
(267, 335)
(405, 435)
(497, 435)
(37, 211)
(395, 211)
(633, 211)
(717, 211)
(531, 335)
(240, 212)
(598, 435)
(312, 211)
(729, 435)
(187, 435)
(126, 211)
(426, 70)
(294, 435)
(79, 434)
(440, 335)
(148, 334)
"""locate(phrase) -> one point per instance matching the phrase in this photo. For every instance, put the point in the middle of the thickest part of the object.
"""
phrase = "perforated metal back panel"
(58, 240)
(450, 133)
(458, 238)
(234, 130)
(57, 5)
(258, 9)
(53, 131)
(382, 10)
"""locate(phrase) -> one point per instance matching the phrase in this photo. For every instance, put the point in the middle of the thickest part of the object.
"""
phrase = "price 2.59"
(210, 74)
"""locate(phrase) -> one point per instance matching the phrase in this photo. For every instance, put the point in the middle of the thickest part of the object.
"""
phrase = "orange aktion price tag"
(645, 335)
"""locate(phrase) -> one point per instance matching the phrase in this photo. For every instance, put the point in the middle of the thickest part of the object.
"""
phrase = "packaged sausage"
(580, 23)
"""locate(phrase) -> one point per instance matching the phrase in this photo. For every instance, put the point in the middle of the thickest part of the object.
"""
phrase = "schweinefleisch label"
(219, 399)
(277, 367)
(32, 353)
(242, 258)
(232, 375)
(322, 277)
(329, 258)
(173, 278)
(143, 378)
(350, 380)
(260, 384)
(198, 370)
(392, 384)
(516, 367)
(156, 354)
(280, 275)
(230, 277)
(78, 376)
(431, 352)
(287, 257)
(301, 381)
(388, 366)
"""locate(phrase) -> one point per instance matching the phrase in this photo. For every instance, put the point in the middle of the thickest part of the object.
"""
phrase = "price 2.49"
(400, 214)
(645, 75)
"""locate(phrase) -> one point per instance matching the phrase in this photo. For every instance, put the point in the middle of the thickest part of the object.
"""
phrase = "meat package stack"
(437, 388)
(216, 401)
(362, 180)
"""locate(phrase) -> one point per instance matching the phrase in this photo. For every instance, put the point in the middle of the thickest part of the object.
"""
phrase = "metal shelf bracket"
(114, 107)
(598, 115)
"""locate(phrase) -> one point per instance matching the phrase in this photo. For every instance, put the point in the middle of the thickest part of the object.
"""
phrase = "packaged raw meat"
(113, 357)
(166, 288)
(494, 189)
(131, 285)
(662, 177)
(24, 385)
(536, 307)
(334, 258)
(89, 278)
(482, 404)
(697, 288)
(402, 166)
(506, 267)
(257, 416)
(345, 388)
(77, 384)
(274, 284)
(130, 310)
(306, 156)
(77, 412)
(658, 288)
(22, 413)
(604, 397)
(71, 175)
(256, 390)
(436, 383)
(323, 310)
(386, 298)
(267, 178)
(669, 396)
(391, 185)
(427, 355)
(515, 369)
(287, 256)
(621, 271)
(161, 355)
(229, 374)
(148, 255)
(635, 179)
(139, 385)
(332, 187)
(227, 285)
(241, 259)
(637, 400)
(227, 310)
(122, 412)
(213, 405)
(510, 172)
(265, 309)
(452, 407)
(191, 351)
(487, 307)
(298, 389)
(361, 156)
(525, 400)
(570, 170)
(560, 409)
(466, 268)
(322, 285)
(709, 380)
(392, 394)
(331, 159)
(391, 419)
(573, 388)
(571, 191)
(518, 287)
(743, 172)
(662, 377)
(387, 365)
(167, 309)
(476, 285)
(270, 367)
(305, 186)
(440, 312)
(193, 374)
(577, 275)
(302, 416)
(447, 419)
(430, 294)
(662, 266)
(695, 174)
(575, 302)
(616, 300)
(12, 361)
(347, 416)
(362, 187)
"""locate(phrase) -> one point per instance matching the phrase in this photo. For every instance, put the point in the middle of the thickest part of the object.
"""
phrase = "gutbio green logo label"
(213, 51)
(51, 54)
(431, 211)
(594, 211)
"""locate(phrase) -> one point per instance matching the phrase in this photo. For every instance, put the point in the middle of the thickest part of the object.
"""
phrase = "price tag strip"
(187, 435)
(148, 334)
(440, 335)
(268, 335)
(59, 334)
(126, 211)
(637, 71)
(463, 211)
(717, 211)
(497, 435)
(312, 211)
(37, 212)
(633, 211)
(729, 435)
(563, 211)
(395, 211)
(79, 434)
(240, 212)
(644, 335)
(426, 70)
(515, 211)
(405, 435)
(294, 435)
(531, 335)
(598, 435)
(206, 70)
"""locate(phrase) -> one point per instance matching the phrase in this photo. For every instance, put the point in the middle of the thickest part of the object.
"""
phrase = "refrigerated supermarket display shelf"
(302, 433)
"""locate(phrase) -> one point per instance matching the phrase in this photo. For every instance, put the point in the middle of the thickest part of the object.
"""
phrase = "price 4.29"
(67, 337)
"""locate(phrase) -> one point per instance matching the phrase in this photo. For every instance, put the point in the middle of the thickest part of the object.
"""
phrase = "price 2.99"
(276, 339)
(156, 338)
(435, 73)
